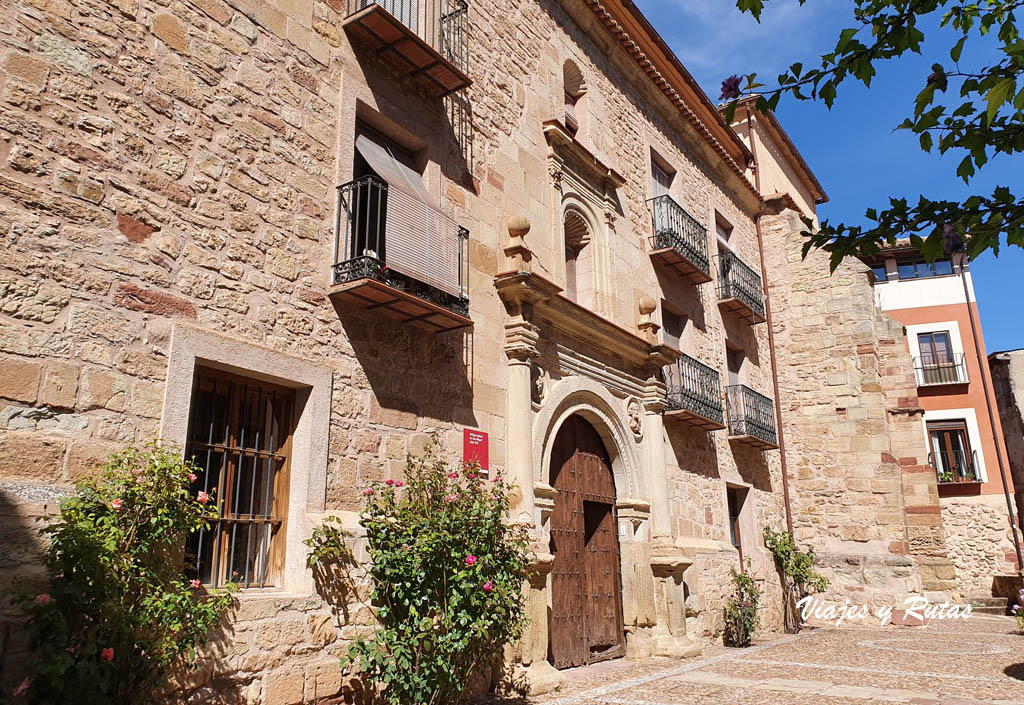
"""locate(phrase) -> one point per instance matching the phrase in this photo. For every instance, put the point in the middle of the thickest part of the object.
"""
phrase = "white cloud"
(714, 39)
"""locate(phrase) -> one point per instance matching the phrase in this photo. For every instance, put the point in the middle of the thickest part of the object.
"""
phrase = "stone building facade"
(178, 256)
(172, 226)
(861, 490)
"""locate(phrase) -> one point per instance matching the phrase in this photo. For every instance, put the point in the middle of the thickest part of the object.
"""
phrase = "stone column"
(520, 347)
(661, 511)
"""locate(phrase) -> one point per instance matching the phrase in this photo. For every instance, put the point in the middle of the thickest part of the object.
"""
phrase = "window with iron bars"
(239, 437)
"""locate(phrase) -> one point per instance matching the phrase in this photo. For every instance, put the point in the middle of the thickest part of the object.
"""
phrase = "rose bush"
(119, 613)
(741, 611)
(447, 573)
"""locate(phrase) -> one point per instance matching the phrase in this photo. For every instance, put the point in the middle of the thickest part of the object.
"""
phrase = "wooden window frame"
(933, 349)
(234, 451)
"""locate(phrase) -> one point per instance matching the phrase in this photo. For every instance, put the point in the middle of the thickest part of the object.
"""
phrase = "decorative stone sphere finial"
(646, 305)
(518, 226)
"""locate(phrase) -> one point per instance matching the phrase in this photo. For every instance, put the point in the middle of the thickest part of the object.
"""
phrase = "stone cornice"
(565, 144)
(645, 47)
(535, 298)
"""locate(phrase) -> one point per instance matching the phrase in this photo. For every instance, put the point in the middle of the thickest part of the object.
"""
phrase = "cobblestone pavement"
(972, 662)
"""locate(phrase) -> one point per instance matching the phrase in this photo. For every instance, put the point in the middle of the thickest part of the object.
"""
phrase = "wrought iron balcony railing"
(429, 37)
(931, 371)
(679, 240)
(955, 466)
(751, 417)
(400, 255)
(739, 288)
(694, 393)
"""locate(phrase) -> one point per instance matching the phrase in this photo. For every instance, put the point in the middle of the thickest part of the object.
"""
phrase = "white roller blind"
(420, 241)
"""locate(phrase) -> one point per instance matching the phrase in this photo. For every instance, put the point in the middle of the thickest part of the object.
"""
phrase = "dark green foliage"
(119, 613)
(975, 112)
(447, 576)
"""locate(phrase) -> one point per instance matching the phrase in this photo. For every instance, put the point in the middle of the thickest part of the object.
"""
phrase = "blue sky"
(853, 148)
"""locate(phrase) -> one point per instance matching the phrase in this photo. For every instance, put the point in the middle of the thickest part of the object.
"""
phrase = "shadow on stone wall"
(412, 371)
(694, 449)
(20, 569)
(752, 464)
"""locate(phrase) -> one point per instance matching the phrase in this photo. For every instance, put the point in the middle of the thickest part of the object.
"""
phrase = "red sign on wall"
(474, 447)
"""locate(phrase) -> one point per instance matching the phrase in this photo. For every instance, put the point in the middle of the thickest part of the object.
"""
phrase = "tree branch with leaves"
(974, 112)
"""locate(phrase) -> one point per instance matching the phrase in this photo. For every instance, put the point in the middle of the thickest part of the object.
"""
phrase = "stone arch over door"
(586, 582)
(607, 414)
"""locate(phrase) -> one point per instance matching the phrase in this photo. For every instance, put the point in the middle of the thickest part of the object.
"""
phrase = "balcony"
(751, 417)
(679, 240)
(399, 256)
(933, 372)
(739, 288)
(955, 467)
(427, 38)
(694, 394)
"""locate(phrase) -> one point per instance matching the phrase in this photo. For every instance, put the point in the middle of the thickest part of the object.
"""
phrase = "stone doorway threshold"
(979, 661)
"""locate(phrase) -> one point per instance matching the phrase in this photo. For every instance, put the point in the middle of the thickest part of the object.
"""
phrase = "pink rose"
(192, 477)
(453, 475)
(202, 497)
(196, 584)
(43, 599)
(115, 503)
(107, 654)
(470, 559)
(399, 484)
(471, 476)
(23, 688)
(451, 497)
(488, 586)
(368, 491)
(389, 482)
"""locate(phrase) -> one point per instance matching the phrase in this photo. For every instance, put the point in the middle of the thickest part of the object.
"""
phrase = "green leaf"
(998, 95)
(926, 141)
(844, 39)
(957, 49)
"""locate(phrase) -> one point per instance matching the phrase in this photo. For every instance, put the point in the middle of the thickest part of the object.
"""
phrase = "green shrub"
(118, 613)
(797, 571)
(742, 610)
(447, 572)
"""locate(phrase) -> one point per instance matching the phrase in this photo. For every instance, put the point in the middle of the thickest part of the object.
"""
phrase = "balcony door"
(661, 180)
(951, 451)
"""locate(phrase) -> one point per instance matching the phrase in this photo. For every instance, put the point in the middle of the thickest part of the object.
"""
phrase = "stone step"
(983, 604)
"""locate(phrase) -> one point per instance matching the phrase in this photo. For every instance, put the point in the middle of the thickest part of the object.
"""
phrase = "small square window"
(879, 271)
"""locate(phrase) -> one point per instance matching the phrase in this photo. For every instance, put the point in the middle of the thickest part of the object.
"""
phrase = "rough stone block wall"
(175, 163)
(861, 490)
(979, 540)
(1008, 387)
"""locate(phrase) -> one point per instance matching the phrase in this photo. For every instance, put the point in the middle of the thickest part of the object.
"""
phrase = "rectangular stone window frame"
(738, 517)
(662, 175)
(307, 487)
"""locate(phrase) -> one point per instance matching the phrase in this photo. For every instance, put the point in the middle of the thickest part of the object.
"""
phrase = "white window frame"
(970, 419)
(955, 342)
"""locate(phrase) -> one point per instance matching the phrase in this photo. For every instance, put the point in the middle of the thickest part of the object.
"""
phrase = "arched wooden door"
(586, 613)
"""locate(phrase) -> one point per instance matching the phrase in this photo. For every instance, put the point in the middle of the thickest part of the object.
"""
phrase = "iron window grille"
(738, 281)
(677, 229)
(361, 247)
(239, 437)
(694, 386)
(750, 414)
(947, 369)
